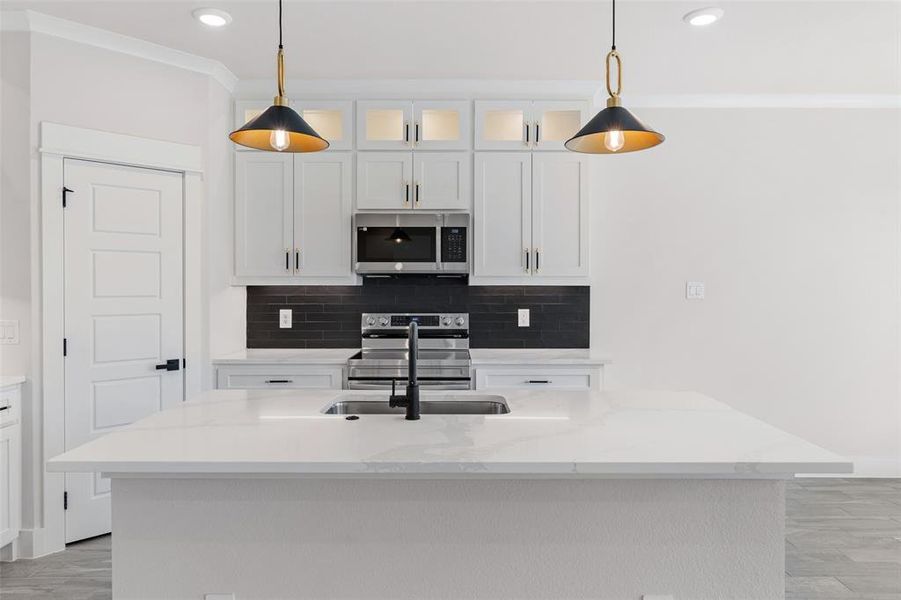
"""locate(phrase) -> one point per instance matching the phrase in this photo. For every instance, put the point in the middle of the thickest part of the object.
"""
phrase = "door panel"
(555, 121)
(441, 124)
(442, 181)
(264, 213)
(332, 119)
(503, 125)
(384, 124)
(384, 180)
(560, 215)
(123, 313)
(322, 213)
(502, 214)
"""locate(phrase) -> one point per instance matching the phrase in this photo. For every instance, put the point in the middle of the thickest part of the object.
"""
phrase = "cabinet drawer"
(279, 377)
(527, 378)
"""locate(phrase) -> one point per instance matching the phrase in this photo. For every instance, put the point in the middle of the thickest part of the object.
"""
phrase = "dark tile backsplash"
(329, 316)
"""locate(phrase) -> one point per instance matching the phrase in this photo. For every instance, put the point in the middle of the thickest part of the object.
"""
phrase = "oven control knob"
(383, 321)
(460, 320)
(370, 321)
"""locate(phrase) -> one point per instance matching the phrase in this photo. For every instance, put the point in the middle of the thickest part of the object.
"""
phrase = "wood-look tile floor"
(842, 542)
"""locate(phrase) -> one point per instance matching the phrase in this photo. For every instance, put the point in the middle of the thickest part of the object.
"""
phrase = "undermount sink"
(446, 404)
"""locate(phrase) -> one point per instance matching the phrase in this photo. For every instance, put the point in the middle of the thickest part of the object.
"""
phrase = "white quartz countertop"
(546, 434)
(480, 356)
(539, 356)
(7, 380)
(288, 356)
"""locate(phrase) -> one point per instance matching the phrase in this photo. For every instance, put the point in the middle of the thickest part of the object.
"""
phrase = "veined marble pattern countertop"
(288, 356)
(536, 356)
(7, 380)
(549, 433)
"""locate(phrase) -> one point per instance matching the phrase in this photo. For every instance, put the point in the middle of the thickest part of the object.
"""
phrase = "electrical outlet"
(694, 290)
(284, 318)
(523, 316)
(9, 332)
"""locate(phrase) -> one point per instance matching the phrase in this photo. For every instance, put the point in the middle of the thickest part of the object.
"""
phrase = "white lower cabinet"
(275, 377)
(10, 469)
(293, 217)
(531, 218)
(539, 377)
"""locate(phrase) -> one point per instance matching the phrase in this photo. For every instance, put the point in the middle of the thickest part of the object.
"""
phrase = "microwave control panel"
(453, 244)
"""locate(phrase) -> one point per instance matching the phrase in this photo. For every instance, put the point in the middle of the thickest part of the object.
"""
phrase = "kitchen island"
(569, 495)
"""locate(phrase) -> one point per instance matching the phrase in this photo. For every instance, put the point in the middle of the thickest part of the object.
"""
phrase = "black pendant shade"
(257, 132)
(398, 236)
(635, 134)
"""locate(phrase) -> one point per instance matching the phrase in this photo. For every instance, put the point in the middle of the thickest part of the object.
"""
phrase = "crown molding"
(756, 100)
(36, 22)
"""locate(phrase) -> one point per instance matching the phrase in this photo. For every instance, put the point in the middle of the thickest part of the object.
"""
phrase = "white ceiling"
(787, 47)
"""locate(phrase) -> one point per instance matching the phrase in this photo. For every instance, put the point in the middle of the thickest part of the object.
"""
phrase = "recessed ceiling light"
(212, 17)
(703, 16)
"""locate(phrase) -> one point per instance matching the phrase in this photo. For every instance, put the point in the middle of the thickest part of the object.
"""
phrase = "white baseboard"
(32, 544)
(868, 466)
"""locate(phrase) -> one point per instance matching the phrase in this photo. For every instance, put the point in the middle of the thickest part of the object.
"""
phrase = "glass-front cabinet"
(420, 125)
(332, 119)
(527, 125)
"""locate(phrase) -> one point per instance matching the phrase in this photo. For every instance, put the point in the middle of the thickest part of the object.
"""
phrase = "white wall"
(86, 86)
(791, 218)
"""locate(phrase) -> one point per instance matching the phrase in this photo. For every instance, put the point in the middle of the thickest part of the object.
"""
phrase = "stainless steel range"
(444, 362)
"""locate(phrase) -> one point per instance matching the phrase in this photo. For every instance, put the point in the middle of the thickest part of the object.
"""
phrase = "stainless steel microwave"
(437, 243)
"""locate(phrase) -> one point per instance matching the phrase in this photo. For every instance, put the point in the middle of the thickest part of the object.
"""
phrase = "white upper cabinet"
(264, 210)
(441, 181)
(527, 125)
(421, 125)
(322, 213)
(502, 214)
(331, 119)
(531, 218)
(441, 125)
(384, 180)
(560, 243)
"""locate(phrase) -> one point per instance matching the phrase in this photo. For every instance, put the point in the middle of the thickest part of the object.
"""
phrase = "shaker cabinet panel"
(322, 213)
(503, 125)
(264, 206)
(442, 180)
(384, 124)
(441, 125)
(384, 180)
(560, 220)
(502, 217)
(331, 119)
(555, 121)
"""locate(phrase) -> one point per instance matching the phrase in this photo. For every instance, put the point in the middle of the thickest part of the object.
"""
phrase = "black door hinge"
(65, 191)
(184, 364)
(65, 500)
(65, 347)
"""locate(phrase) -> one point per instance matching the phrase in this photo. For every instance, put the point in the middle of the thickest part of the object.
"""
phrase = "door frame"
(57, 143)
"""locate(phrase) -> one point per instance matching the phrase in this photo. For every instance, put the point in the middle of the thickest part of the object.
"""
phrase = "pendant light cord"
(280, 23)
(613, 47)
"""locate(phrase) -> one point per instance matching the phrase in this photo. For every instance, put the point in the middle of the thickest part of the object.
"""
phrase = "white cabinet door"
(441, 181)
(555, 121)
(331, 119)
(502, 214)
(322, 213)
(503, 125)
(441, 124)
(264, 206)
(384, 180)
(276, 377)
(560, 245)
(10, 483)
(384, 124)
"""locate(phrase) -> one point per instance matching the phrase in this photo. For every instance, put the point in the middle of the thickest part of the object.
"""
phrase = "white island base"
(448, 539)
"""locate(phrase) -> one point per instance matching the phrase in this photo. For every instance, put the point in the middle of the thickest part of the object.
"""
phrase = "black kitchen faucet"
(410, 400)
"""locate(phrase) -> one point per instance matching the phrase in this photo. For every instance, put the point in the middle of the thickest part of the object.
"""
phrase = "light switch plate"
(9, 332)
(523, 317)
(694, 290)
(284, 318)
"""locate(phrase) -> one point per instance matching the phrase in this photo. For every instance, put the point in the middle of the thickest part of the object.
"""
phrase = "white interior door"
(384, 180)
(123, 317)
(560, 245)
(502, 214)
(322, 213)
(442, 180)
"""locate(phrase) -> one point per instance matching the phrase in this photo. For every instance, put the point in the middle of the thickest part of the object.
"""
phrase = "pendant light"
(614, 130)
(279, 128)
(398, 236)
